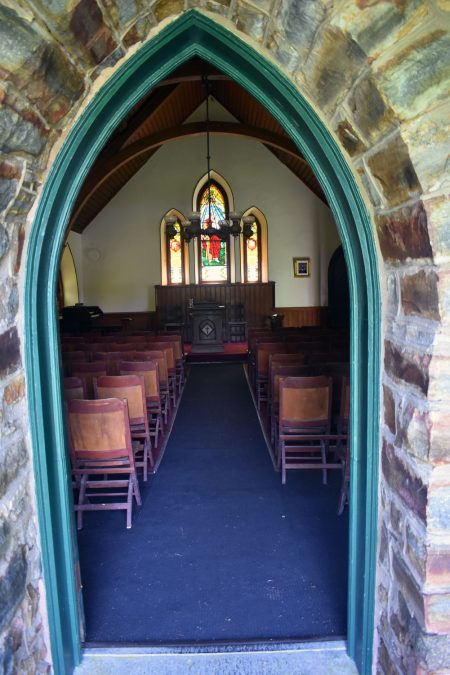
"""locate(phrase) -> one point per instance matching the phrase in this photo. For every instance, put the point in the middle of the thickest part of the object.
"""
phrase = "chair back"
(149, 371)
(136, 339)
(121, 346)
(176, 342)
(72, 340)
(295, 358)
(161, 359)
(96, 347)
(263, 350)
(168, 349)
(129, 387)
(75, 355)
(280, 371)
(338, 371)
(344, 413)
(111, 359)
(305, 404)
(99, 432)
(74, 388)
(86, 371)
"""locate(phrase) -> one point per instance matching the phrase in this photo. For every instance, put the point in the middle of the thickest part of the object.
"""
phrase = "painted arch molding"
(194, 34)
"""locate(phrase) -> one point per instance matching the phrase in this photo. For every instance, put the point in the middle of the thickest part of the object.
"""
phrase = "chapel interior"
(236, 483)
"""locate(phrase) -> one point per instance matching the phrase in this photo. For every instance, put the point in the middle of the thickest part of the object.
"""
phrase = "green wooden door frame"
(194, 34)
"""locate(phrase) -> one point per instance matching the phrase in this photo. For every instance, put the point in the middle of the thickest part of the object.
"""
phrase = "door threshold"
(316, 657)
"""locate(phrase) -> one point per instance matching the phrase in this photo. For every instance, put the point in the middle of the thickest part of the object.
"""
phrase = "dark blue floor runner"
(219, 550)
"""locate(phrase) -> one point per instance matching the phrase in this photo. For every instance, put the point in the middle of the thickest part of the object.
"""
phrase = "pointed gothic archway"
(194, 34)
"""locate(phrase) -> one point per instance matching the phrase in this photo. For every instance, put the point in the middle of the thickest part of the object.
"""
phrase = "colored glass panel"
(175, 249)
(214, 258)
(252, 255)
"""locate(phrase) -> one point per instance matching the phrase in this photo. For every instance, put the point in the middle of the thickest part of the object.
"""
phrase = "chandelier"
(192, 227)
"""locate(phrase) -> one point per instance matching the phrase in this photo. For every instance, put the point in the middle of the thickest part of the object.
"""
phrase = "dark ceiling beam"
(106, 169)
(193, 71)
(307, 178)
(149, 108)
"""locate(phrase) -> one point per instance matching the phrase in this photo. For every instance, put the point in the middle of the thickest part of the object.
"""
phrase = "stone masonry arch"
(377, 73)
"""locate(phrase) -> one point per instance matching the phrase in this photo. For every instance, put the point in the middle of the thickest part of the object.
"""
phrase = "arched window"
(174, 254)
(175, 257)
(252, 254)
(254, 250)
(213, 254)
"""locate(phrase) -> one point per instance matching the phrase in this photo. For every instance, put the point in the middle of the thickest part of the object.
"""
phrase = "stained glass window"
(252, 255)
(175, 257)
(214, 264)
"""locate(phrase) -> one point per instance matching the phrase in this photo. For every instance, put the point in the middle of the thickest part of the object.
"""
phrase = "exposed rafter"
(144, 146)
(159, 118)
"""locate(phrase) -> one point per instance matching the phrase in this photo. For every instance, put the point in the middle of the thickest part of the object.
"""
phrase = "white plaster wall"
(69, 278)
(125, 235)
(75, 242)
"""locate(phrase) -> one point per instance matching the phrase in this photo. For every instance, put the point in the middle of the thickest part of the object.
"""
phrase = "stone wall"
(378, 74)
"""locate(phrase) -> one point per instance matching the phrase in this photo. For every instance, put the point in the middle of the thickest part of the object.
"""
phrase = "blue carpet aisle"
(219, 550)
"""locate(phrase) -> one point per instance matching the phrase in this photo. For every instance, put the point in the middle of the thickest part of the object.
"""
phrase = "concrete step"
(306, 658)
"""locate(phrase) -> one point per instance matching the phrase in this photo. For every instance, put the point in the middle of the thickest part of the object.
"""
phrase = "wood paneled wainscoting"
(258, 299)
(302, 316)
(130, 321)
(258, 311)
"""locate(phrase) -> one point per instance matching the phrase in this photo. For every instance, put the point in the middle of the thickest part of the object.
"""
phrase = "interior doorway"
(194, 31)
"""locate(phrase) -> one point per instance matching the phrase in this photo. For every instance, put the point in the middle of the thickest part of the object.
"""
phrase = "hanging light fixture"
(227, 227)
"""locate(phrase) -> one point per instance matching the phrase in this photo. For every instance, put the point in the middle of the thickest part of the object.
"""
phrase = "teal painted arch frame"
(195, 34)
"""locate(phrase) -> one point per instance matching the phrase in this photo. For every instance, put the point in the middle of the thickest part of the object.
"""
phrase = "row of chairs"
(306, 346)
(166, 350)
(104, 440)
(303, 397)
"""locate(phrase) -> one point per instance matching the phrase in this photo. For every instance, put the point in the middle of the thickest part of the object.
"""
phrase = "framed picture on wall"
(302, 267)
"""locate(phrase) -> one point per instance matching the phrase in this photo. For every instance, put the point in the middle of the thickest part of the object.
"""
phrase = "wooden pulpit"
(207, 327)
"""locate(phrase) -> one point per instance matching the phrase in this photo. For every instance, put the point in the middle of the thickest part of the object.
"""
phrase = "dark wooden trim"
(139, 320)
(145, 145)
(295, 317)
(258, 299)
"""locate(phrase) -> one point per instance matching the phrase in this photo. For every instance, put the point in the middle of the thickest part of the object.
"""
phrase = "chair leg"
(136, 491)
(145, 460)
(283, 463)
(129, 502)
(158, 428)
(343, 497)
(324, 461)
(150, 454)
(81, 499)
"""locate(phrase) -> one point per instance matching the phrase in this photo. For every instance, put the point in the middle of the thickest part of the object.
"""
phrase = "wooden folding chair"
(169, 350)
(86, 371)
(160, 357)
(305, 424)
(277, 371)
(100, 447)
(131, 388)
(263, 350)
(69, 358)
(74, 388)
(149, 370)
(67, 340)
(111, 359)
(177, 343)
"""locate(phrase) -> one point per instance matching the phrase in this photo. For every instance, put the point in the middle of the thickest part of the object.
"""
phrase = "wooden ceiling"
(160, 118)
